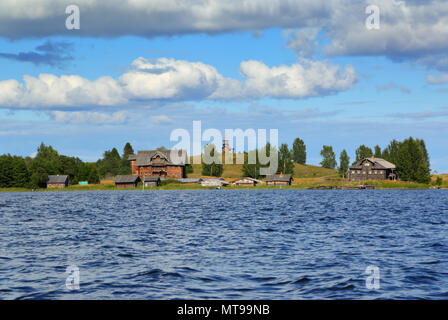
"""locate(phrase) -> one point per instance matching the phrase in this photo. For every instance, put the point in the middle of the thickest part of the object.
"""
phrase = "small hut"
(151, 181)
(128, 181)
(213, 182)
(246, 182)
(278, 180)
(58, 181)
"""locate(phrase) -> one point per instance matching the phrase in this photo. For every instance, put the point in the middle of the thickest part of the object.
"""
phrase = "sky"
(136, 70)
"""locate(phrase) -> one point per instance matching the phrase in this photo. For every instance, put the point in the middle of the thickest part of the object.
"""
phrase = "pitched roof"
(57, 179)
(277, 177)
(151, 179)
(247, 178)
(378, 163)
(144, 157)
(127, 179)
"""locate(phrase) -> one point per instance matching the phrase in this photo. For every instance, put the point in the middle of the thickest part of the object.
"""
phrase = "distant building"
(372, 169)
(128, 181)
(58, 181)
(213, 182)
(226, 147)
(246, 182)
(278, 180)
(158, 163)
(151, 181)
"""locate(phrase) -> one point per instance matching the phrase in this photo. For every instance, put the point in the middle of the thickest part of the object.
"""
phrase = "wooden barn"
(128, 181)
(158, 163)
(58, 181)
(246, 182)
(278, 180)
(372, 169)
(213, 182)
(151, 181)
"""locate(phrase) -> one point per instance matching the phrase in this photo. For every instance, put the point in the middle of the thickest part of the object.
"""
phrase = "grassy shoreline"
(384, 186)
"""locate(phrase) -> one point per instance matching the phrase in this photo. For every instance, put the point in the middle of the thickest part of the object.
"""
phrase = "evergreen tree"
(363, 152)
(127, 151)
(251, 170)
(411, 162)
(377, 153)
(328, 157)
(344, 161)
(391, 152)
(299, 151)
(285, 164)
(214, 168)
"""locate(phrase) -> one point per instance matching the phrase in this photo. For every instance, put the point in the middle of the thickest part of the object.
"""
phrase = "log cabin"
(371, 169)
(58, 181)
(278, 180)
(127, 181)
(158, 163)
(247, 181)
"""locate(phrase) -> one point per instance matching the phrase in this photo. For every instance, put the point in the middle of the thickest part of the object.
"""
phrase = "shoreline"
(198, 187)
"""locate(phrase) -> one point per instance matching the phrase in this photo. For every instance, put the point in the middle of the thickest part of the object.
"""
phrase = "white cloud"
(162, 119)
(441, 79)
(300, 80)
(67, 90)
(409, 30)
(177, 80)
(78, 117)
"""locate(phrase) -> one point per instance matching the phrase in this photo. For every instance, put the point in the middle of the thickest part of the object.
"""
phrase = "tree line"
(33, 172)
(410, 157)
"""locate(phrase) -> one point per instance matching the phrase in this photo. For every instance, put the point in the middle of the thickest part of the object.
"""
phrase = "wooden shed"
(278, 180)
(58, 181)
(151, 181)
(213, 182)
(128, 181)
(247, 181)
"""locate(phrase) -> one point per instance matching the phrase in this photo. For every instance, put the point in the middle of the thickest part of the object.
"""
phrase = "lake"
(225, 244)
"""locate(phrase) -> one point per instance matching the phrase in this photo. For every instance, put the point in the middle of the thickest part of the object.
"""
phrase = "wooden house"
(371, 169)
(128, 181)
(58, 181)
(151, 181)
(278, 180)
(247, 181)
(213, 182)
(158, 163)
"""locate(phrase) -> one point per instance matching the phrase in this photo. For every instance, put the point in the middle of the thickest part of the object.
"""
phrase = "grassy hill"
(233, 171)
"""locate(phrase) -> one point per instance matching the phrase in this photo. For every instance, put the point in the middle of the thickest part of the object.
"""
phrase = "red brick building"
(158, 163)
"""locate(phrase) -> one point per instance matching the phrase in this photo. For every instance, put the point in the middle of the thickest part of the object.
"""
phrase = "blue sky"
(323, 76)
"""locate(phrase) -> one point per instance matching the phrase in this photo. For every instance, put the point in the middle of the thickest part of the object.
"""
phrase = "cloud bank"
(177, 80)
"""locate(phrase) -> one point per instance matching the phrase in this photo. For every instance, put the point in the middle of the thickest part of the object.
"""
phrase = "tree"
(285, 164)
(299, 151)
(213, 167)
(363, 152)
(251, 170)
(439, 181)
(391, 152)
(344, 161)
(329, 158)
(127, 150)
(377, 153)
(411, 162)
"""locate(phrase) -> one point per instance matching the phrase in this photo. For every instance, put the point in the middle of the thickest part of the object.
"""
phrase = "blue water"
(225, 244)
